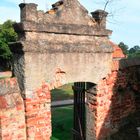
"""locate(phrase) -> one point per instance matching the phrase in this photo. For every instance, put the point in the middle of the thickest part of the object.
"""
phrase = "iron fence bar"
(80, 127)
(79, 110)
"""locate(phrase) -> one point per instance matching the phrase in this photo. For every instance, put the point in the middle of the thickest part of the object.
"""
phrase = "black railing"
(79, 111)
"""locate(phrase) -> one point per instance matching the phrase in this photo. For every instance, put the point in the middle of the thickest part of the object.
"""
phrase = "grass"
(62, 93)
(62, 117)
(62, 123)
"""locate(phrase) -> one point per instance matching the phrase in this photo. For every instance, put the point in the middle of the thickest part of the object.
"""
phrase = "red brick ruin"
(66, 45)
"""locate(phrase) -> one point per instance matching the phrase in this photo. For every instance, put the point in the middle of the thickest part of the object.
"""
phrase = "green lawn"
(62, 93)
(62, 123)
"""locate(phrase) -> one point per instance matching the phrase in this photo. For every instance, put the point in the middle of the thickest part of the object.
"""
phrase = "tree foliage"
(132, 52)
(7, 34)
(124, 47)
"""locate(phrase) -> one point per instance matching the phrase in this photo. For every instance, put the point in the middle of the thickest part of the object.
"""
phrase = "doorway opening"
(69, 111)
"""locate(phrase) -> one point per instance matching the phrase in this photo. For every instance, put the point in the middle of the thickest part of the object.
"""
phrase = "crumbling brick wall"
(12, 113)
(117, 98)
(63, 45)
(38, 114)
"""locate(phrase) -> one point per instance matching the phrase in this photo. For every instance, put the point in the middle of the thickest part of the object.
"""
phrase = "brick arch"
(37, 85)
(63, 46)
(38, 112)
(55, 48)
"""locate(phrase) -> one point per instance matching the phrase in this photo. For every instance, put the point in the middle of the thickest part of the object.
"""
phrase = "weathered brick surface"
(38, 114)
(12, 114)
(116, 100)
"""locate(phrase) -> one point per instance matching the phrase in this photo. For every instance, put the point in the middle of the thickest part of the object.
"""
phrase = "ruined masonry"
(66, 45)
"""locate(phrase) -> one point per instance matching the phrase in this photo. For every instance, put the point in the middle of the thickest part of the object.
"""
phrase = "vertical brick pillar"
(38, 114)
(91, 108)
(104, 96)
(12, 113)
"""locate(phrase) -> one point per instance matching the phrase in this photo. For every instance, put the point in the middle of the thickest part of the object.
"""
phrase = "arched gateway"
(63, 45)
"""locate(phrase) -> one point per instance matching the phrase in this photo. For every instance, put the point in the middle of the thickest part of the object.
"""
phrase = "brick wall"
(12, 116)
(38, 114)
(116, 100)
(12, 112)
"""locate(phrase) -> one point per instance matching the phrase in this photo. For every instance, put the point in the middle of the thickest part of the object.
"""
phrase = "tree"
(108, 6)
(135, 49)
(7, 34)
(5, 53)
(134, 52)
(124, 47)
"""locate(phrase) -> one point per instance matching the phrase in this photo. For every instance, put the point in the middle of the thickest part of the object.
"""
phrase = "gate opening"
(69, 111)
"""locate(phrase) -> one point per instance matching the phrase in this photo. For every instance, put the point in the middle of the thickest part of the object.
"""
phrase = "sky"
(123, 19)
